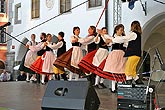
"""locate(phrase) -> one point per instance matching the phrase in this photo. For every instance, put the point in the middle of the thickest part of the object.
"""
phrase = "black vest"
(76, 44)
(92, 46)
(102, 44)
(118, 46)
(61, 50)
(134, 47)
(42, 51)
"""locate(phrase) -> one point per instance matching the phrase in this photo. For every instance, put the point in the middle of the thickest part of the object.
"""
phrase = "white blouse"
(105, 37)
(131, 36)
(55, 45)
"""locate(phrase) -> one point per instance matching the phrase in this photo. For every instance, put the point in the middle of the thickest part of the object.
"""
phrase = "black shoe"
(102, 85)
(128, 82)
(139, 82)
(43, 83)
(96, 86)
(115, 91)
(27, 81)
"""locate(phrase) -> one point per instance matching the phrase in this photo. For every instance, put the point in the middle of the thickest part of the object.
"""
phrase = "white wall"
(153, 8)
(81, 16)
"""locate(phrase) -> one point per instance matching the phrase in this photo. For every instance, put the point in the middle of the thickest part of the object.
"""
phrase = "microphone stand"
(148, 89)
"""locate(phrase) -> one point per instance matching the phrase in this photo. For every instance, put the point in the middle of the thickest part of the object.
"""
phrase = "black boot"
(102, 85)
(64, 77)
(91, 78)
(139, 82)
(38, 78)
(128, 82)
(57, 76)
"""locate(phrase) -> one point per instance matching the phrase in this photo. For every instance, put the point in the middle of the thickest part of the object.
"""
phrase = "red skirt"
(37, 66)
(86, 63)
(111, 76)
(64, 61)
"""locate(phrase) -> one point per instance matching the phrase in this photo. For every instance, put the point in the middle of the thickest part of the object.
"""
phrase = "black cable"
(49, 19)
(13, 37)
(159, 1)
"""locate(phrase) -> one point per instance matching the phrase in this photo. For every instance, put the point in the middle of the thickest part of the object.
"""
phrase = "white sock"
(27, 76)
(76, 76)
(129, 77)
(113, 85)
(97, 80)
(50, 77)
(43, 78)
(136, 77)
(101, 80)
(70, 76)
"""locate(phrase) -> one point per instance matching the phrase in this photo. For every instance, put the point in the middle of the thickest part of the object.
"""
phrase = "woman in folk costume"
(28, 59)
(133, 52)
(114, 65)
(61, 45)
(39, 49)
(91, 46)
(44, 64)
(72, 57)
(97, 56)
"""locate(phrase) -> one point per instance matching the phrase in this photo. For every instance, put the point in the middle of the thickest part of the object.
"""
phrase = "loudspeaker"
(70, 95)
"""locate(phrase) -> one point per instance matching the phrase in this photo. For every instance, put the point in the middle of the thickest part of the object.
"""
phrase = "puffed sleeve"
(87, 40)
(123, 39)
(37, 47)
(56, 46)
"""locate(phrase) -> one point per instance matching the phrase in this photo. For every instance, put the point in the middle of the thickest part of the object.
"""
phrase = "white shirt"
(55, 46)
(37, 47)
(31, 43)
(131, 36)
(105, 37)
(87, 40)
(117, 39)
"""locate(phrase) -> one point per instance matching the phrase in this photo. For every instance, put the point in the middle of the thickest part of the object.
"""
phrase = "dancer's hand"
(108, 41)
(99, 31)
(27, 46)
(45, 44)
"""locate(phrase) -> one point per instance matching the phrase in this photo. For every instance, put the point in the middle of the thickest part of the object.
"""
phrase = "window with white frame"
(17, 19)
(65, 5)
(94, 3)
(2, 6)
(35, 9)
(2, 36)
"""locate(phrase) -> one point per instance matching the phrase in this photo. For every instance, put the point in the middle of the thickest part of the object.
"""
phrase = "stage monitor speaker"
(70, 95)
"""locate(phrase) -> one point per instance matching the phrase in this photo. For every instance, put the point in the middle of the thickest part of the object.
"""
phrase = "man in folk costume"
(61, 49)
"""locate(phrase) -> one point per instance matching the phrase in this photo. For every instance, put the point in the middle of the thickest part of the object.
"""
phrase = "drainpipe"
(106, 16)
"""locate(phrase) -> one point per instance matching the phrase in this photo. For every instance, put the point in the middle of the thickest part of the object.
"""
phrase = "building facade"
(3, 38)
(52, 16)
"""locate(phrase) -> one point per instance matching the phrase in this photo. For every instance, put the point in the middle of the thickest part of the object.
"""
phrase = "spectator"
(5, 76)
(22, 76)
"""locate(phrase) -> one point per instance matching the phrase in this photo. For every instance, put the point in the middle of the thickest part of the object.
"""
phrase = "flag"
(131, 4)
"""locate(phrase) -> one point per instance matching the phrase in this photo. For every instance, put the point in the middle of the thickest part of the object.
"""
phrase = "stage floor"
(28, 96)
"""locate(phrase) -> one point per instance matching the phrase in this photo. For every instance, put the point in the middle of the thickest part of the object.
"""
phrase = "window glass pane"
(19, 13)
(35, 12)
(99, 2)
(65, 5)
(95, 3)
